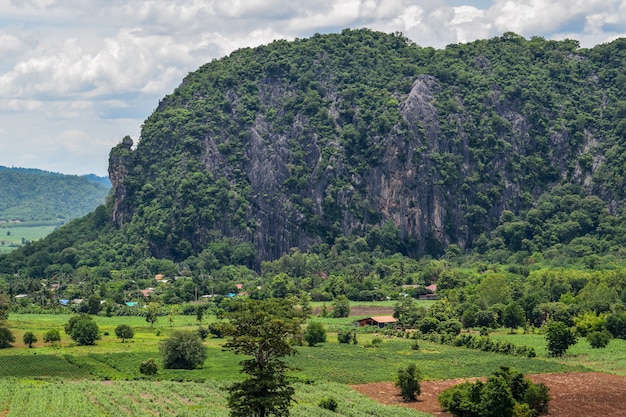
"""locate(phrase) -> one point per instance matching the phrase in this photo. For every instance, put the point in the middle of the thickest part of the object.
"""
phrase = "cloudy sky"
(78, 75)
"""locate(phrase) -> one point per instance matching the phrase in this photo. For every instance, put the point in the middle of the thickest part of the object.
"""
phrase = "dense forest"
(32, 195)
(361, 165)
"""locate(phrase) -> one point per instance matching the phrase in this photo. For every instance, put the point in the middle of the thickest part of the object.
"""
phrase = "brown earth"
(573, 394)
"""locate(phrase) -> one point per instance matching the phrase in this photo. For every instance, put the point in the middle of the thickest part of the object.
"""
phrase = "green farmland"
(103, 380)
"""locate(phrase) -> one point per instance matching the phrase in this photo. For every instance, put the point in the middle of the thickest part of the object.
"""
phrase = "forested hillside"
(365, 144)
(32, 195)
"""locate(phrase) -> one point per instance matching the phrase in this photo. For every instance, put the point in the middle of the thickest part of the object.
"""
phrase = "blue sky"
(78, 75)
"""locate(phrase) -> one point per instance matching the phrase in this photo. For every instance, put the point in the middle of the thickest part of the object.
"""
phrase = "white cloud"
(528, 16)
(79, 73)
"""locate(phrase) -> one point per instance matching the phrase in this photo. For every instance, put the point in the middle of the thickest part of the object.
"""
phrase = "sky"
(76, 76)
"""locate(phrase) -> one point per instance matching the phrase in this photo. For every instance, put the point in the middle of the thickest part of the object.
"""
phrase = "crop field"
(11, 234)
(103, 380)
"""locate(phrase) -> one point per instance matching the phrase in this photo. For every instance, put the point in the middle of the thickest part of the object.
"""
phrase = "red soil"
(573, 394)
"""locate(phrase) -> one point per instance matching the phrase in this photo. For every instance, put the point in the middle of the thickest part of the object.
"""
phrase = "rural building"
(380, 321)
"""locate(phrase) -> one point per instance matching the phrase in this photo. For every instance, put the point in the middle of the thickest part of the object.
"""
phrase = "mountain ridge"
(367, 135)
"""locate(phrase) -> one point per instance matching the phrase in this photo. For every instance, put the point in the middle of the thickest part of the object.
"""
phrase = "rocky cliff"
(298, 143)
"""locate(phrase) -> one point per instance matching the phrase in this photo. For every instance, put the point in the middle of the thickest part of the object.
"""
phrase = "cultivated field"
(11, 234)
(103, 380)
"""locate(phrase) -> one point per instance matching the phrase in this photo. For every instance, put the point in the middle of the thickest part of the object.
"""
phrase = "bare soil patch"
(590, 394)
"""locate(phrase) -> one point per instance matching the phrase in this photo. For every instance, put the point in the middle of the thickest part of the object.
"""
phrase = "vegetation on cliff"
(352, 164)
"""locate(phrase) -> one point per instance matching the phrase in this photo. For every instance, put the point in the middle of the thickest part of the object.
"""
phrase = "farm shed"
(380, 321)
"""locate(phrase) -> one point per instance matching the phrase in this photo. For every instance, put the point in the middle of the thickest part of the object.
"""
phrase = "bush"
(345, 337)
(203, 332)
(328, 403)
(506, 393)
(6, 337)
(408, 381)
(599, 339)
(124, 331)
(51, 336)
(217, 329)
(315, 333)
(183, 350)
(148, 367)
(616, 324)
(29, 338)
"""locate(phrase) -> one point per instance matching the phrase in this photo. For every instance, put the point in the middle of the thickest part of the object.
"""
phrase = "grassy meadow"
(11, 234)
(103, 380)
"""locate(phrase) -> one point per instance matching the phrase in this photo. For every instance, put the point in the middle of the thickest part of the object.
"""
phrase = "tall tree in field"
(152, 313)
(262, 330)
(559, 337)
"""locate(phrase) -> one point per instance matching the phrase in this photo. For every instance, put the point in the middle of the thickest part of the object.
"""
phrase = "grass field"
(11, 234)
(610, 359)
(50, 380)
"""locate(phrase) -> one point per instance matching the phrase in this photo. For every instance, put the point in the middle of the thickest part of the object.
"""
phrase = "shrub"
(506, 393)
(183, 350)
(315, 333)
(599, 339)
(376, 341)
(51, 336)
(616, 324)
(344, 337)
(203, 332)
(452, 327)
(428, 325)
(408, 380)
(217, 329)
(328, 403)
(148, 367)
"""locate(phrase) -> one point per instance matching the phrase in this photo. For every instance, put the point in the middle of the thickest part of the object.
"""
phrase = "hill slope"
(502, 145)
(35, 195)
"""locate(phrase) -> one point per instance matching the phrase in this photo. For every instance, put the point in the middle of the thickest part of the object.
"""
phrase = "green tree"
(94, 305)
(262, 330)
(29, 338)
(199, 314)
(341, 306)
(152, 313)
(51, 336)
(559, 337)
(513, 316)
(183, 350)
(496, 398)
(4, 307)
(408, 380)
(616, 324)
(124, 331)
(6, 337)
(82, 329)
(315, 333)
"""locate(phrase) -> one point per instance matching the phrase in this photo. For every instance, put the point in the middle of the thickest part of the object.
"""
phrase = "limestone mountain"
(298, 144)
